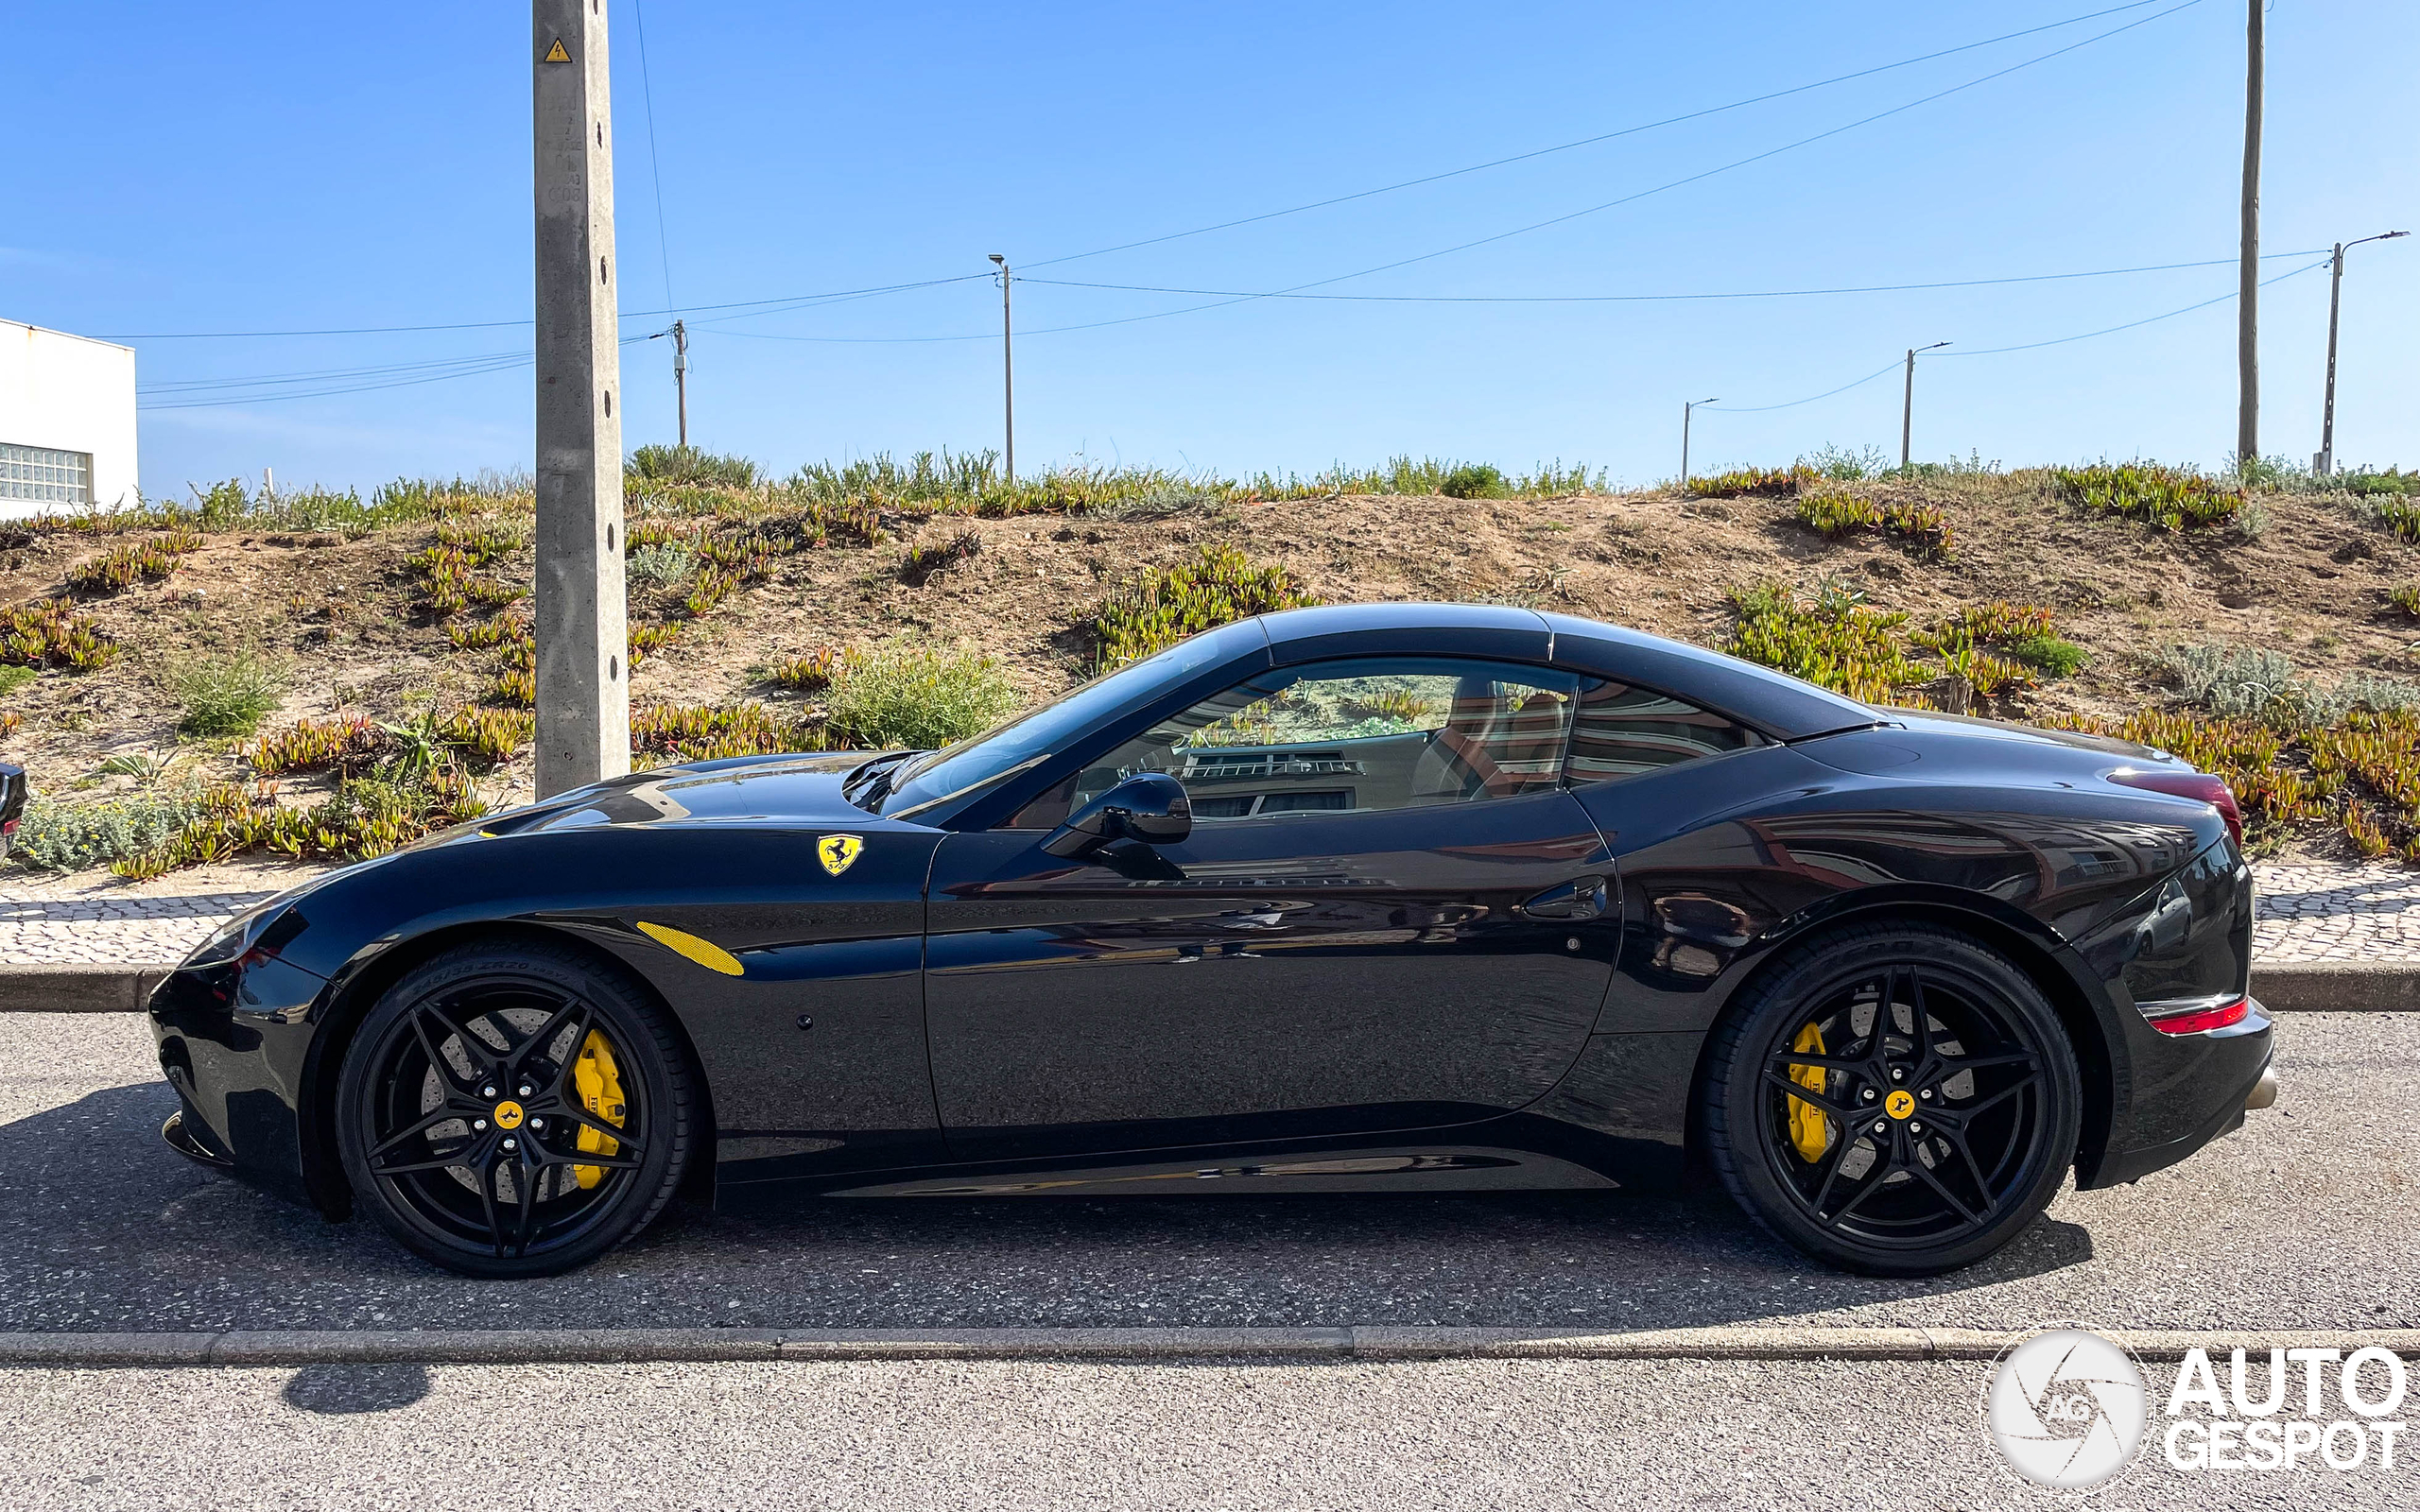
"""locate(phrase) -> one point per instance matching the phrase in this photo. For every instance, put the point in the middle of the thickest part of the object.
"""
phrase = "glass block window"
(38, 474)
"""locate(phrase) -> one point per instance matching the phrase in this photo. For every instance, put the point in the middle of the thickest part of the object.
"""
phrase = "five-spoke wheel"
(514, 1109)
(1895, 1099)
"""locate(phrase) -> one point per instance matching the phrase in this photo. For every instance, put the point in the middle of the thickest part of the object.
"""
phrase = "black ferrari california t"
(1375, 898)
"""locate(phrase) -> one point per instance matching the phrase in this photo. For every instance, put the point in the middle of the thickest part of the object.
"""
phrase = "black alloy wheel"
(1895, 1099)
(514, 1109)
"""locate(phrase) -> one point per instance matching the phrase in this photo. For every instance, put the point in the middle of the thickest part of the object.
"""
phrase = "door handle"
(1581, 898)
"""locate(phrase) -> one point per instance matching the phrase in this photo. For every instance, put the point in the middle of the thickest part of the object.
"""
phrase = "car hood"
(754, 789)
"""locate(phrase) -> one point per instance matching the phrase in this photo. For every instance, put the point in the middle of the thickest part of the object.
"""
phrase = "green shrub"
(70, 836)
(2060, 659)
(13, 676)
(2369, 482)
(1164, 604)
(2395, 511)
(1837, 512)
(689, 464)
(1473, 480)
(1771, 482)
(2171, 498)
(1844, 466)
(225, 696)
(662, 562)
(48, 633)
(1834, 643)
(907, 694)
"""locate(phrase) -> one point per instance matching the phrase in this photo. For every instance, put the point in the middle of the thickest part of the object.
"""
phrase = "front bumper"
(234, 1043)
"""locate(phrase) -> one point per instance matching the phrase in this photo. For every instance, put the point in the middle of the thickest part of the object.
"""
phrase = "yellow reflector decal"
(704, 951)
(1809, 1130)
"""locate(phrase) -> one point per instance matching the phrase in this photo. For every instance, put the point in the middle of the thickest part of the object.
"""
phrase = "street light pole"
(681, 377)
(2324, 465)
(1007, 374)
(1684, 439)
(1907, 402)
(2247, 314)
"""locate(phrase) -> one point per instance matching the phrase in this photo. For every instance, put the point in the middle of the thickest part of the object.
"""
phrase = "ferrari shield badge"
(839, 851)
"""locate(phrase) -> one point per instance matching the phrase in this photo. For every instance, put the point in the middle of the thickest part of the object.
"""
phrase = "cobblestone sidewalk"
(2307, 913)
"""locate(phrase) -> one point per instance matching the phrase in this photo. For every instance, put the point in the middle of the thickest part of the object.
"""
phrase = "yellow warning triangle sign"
(555, 53)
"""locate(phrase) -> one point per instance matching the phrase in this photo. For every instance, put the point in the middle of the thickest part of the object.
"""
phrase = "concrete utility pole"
(681, 377)
(2324, 465)
(1008, 372)
(1907, 402)
(1684, 439)
(583, 697)
(2247, 314)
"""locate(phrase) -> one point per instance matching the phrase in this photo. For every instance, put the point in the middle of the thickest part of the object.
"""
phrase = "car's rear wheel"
(511, 1108)
(1895, 1099)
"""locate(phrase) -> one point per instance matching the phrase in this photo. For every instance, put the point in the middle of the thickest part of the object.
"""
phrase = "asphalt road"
(2309, 1217)
(1476, 1434)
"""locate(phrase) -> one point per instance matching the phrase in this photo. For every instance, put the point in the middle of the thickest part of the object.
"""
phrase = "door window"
(1348, 736)
(1619, 730)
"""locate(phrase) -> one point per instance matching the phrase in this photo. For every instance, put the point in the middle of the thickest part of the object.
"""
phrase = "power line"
(2030, 345)
(468, 367)
(312, 374)
(1695, 178)
(794, 300)
(1519, 230)
(1628, 298)
(786, 302)
(1589, 141)
(654, 165)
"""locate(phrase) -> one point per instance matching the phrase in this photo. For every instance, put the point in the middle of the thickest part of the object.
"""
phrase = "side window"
(1620, 731)
(1348, 736)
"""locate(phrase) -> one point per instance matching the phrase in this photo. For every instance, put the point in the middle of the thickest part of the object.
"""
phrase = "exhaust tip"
(2264, 1091)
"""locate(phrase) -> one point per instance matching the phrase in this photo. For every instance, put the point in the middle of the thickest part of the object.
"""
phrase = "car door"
(1389, 915)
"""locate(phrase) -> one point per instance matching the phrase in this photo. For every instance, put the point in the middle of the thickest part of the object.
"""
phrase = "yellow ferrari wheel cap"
(839, 851)
(508, 1115)
(1900, 1103)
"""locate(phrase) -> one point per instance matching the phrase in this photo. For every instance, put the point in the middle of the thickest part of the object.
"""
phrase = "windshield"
(1046, 730)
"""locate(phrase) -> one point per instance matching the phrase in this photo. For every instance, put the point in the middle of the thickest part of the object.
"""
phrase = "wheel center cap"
(508, 1114)
(1898, 1105)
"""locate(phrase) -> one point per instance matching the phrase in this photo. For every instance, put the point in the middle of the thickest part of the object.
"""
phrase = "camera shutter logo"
(2068, 1409)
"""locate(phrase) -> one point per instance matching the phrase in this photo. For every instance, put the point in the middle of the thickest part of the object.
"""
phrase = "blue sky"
(275, 167)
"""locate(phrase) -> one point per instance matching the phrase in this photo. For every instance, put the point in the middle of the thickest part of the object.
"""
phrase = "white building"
(66, 422)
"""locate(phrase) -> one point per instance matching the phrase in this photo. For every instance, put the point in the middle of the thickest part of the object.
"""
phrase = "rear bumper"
(2190, 1090)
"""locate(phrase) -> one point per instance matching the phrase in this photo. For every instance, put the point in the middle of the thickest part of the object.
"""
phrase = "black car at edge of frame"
(1375, 898)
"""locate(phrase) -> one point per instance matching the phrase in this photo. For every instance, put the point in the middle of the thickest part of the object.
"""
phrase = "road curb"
(295, 1348)
(2327, 986)
(77, 989)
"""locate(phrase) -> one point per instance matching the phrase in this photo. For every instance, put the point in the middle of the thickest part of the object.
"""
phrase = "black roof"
(1778, 705)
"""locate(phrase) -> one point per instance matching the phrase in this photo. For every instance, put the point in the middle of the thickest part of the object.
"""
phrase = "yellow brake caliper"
(1809, 1130)
(599, 1081)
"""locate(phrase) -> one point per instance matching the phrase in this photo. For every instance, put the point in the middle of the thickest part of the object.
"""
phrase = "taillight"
(2198, 1021)
(2202, 785)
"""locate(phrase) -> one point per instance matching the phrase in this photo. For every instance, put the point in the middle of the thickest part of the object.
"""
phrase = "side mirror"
(1152, 807)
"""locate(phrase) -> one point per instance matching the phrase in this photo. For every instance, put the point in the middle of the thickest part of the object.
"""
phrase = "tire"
(476, 1109)
(1973, 1085)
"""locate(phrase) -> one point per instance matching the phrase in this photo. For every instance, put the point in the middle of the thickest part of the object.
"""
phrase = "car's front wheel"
(512, 1108)
(1895, 1099)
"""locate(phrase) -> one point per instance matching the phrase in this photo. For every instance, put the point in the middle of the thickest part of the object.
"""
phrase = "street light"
(2324, 464)
(1684, 439)
(1007, 374)
(1907, 402)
